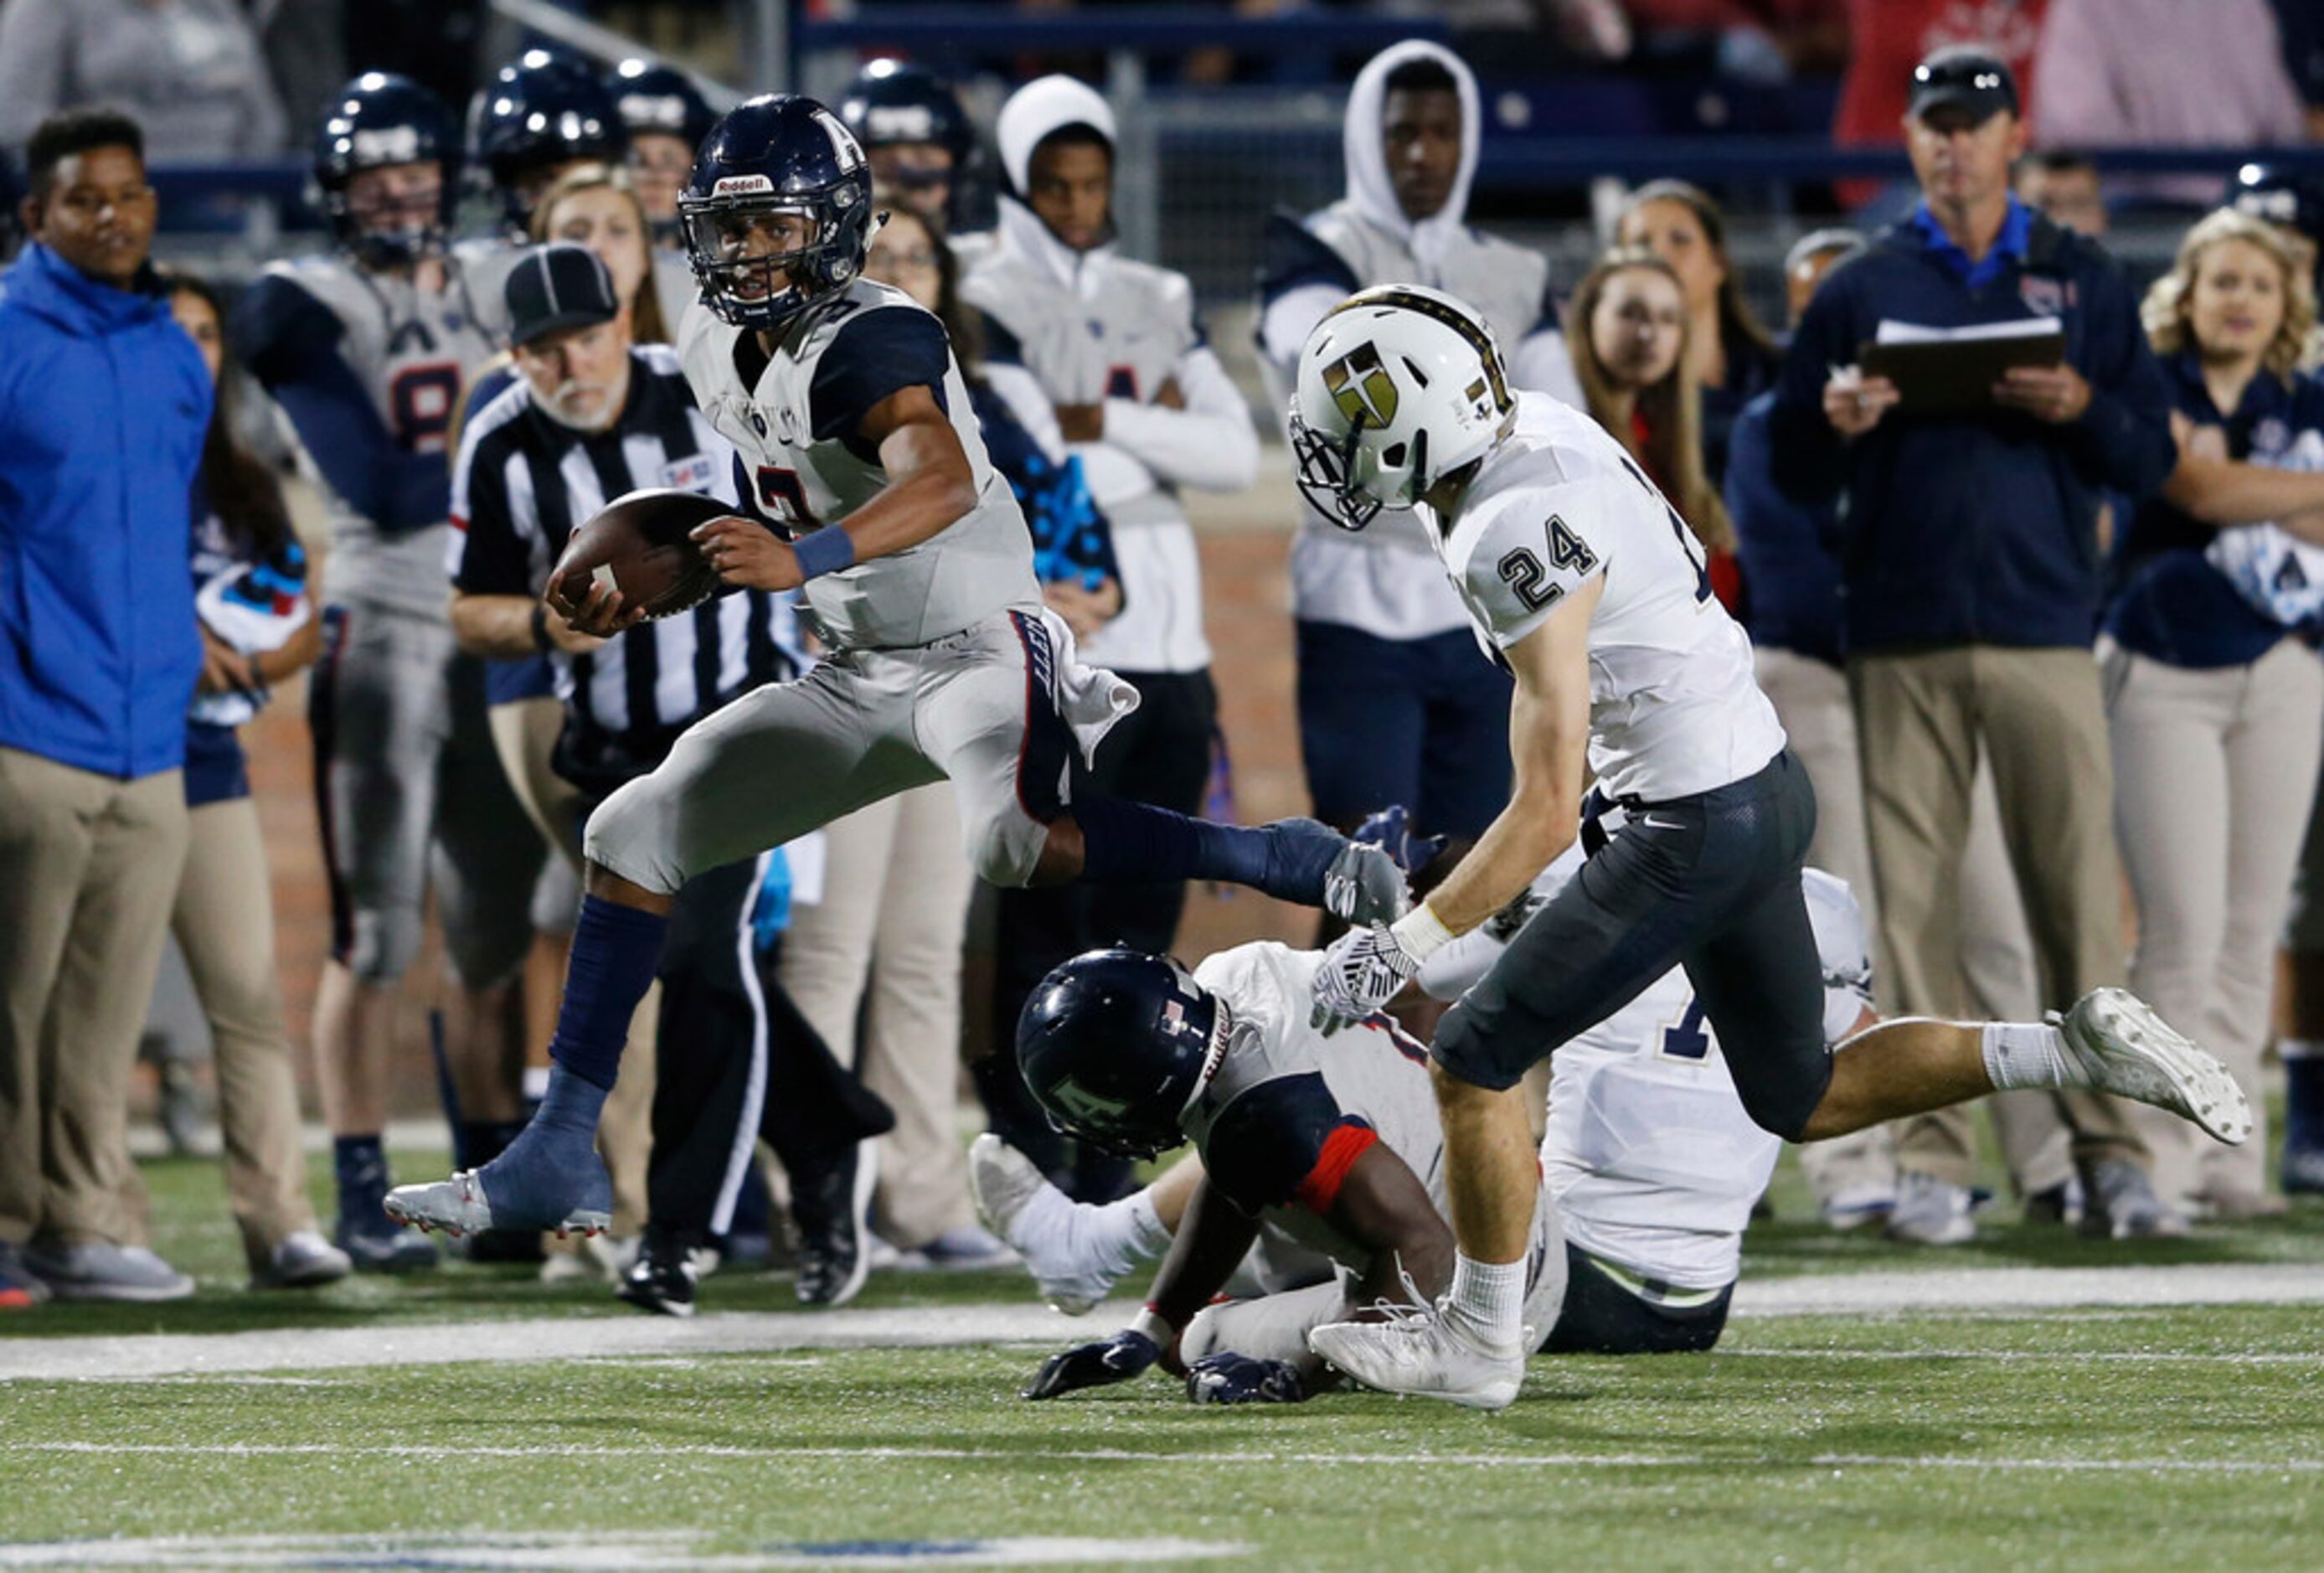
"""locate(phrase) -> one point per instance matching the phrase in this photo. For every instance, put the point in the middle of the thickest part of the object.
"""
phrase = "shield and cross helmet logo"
(1359, 384)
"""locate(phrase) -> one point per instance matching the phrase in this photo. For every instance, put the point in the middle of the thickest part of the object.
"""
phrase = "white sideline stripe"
(2035, 1357)
(777, 1450)
(1954, 1292)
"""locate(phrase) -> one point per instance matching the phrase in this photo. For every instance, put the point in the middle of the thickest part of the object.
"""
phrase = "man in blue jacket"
(104, 402)
(1970, 558)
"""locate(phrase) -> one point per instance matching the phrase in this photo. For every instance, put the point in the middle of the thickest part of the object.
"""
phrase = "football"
(641, 542)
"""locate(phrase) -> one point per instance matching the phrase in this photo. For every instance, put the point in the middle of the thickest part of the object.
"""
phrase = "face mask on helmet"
(1398, 387)
(391, 217)
(761, 262)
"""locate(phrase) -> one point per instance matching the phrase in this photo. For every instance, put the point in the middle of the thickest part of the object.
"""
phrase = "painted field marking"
(777, 1452)
(1951, 1292)
(596, 1550)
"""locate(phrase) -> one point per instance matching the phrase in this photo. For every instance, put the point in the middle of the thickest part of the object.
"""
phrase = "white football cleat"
(458, 1207)
(1018, 1203)
(1419, 1353)
(2125, 1048)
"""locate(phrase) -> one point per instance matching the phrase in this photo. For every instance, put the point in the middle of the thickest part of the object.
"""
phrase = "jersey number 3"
(784, 500)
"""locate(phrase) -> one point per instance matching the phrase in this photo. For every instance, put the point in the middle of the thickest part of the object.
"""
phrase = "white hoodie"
(1094, 328)
(1364, 240)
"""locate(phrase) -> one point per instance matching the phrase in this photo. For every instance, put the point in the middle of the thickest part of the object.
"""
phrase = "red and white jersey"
(1287, 1112)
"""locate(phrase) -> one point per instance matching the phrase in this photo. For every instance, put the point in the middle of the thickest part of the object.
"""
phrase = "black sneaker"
(831, 1196)
(662, 1279)
(502, 1245)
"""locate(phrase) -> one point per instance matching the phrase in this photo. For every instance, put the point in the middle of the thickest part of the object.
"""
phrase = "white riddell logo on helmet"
(741, 185)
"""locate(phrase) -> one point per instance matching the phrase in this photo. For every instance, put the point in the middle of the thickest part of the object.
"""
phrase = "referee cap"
(554, 287)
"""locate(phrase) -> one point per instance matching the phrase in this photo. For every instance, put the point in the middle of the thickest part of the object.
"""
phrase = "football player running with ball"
(1588, 586)
(856, 440)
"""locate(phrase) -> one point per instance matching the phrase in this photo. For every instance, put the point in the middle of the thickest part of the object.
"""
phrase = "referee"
(592, 416)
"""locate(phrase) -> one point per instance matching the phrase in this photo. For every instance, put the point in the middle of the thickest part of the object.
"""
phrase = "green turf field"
(2093, 1437)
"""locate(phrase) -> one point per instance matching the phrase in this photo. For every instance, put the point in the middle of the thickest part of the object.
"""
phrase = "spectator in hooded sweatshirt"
(1428, 726)
(104, 404)
(1112, 353)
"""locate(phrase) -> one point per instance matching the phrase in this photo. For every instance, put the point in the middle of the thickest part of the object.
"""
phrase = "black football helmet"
(651, 97)
(543, 110)
(379, 119)
(1116, 1043)
(776, 154)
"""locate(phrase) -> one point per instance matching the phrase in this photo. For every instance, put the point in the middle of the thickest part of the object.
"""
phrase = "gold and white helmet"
(1397, 386)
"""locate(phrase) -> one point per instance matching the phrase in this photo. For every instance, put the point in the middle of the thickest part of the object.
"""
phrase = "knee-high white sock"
(1489, 1298)
(2028, 1054)
(1127, 1233)
(1064, 1237)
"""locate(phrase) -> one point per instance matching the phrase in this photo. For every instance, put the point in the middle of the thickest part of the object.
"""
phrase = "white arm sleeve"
(1210, 443)
(1021, 390)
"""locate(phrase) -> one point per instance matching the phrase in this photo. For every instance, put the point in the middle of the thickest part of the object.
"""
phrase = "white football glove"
(1361, 971)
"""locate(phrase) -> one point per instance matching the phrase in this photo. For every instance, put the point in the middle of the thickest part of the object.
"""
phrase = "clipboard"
(1952, 371)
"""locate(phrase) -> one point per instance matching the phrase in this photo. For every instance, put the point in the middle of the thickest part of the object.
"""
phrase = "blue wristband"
(825, 550)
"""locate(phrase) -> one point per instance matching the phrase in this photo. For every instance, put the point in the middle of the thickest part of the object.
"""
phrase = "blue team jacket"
(104, 402)
(1976, 529)
(2168, 602)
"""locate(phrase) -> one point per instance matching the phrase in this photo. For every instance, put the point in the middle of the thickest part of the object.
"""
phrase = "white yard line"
(1969, 1290)
(777, 1451)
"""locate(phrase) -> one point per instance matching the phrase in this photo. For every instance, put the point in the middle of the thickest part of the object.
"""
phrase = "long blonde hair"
(1673, 407)
(2163, 312)
(647, 324)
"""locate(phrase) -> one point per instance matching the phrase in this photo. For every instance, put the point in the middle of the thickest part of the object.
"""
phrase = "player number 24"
(1522, 571)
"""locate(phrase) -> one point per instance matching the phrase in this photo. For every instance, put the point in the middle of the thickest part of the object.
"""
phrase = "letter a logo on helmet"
(1361, 387)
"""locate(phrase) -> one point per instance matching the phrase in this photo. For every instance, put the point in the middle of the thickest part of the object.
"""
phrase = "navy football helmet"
(543, 109)
(380, 119)
(775, 155)
(2280, 196)
(651, 97)
(892, 101)
(1116, 1043)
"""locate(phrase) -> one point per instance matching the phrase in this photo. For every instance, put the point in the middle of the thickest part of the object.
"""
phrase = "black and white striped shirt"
(522, 481)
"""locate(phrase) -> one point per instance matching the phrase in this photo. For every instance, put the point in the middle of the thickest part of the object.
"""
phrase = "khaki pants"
(87, 867)
(1925, 720)
(2217, 769)
(1810, 700)
(223, 920)
(894, 910)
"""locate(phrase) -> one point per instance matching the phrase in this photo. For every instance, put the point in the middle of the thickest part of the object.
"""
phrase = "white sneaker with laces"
(1018, 1203)
(1419, 1352)
(2125, 1048)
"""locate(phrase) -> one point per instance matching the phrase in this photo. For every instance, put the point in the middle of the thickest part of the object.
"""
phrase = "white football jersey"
(1652, 1158)
(1673, 706)
(795, 431)
(1264, 1122)
(409, 354)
